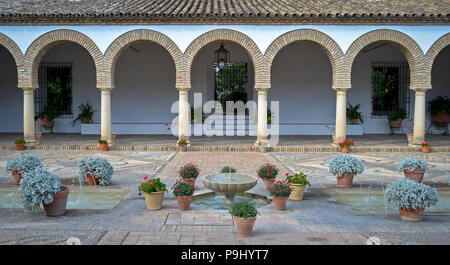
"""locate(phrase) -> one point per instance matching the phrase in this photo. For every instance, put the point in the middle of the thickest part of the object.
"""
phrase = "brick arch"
(325, 42)
(434, 51)
(15, 52)
(404, 43)
(50, 39)
(237, 37)
(141, 35)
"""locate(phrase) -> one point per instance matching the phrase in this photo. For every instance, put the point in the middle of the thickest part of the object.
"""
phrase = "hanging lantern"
(222, 56)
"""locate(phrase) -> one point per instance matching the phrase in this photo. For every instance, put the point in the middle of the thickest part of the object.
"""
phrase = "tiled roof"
(79, 10)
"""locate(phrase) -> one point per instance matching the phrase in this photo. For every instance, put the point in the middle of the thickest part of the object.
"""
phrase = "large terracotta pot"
(49, 125)
(280, 202)
(410, 138)
(184, 202)
(441, 119)
(103, 147)
(395, 125)
(346, 180)
(58, 206)
(426, 149)
(20, 147)
(354, 121)
(268, 183)
(416, 174)
(297, 192)
(244, 225)
(91, 179)
(411, 215)
(345, 149)
(17, 176)
(154, 200)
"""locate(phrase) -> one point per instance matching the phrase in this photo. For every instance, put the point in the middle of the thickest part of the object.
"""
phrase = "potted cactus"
(21, 165)
(183, 190)
(268, 173)
(189, 172)
(298, 183)
(426, 148)
(41, 186)
(280, 192)
(244, 214)
(102, 145)
(153, 190)
(20, 143)
(95, 171)
(345, 167)
(413, 168)
(411, 198)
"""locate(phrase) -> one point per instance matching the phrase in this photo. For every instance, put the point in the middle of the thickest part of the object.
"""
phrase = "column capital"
(262, 86)
(104, 88)
(27, 88)
(420, 89)
(341, 88)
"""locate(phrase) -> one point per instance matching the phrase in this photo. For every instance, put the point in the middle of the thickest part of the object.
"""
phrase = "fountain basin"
(229, 182)
(219, 201)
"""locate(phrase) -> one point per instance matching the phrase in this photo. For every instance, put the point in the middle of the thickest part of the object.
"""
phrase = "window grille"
(230, 83)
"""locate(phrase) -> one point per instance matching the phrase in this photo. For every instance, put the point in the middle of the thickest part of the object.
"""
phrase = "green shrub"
(299, 178)
(438, 104)
(189, 171)
(152, 185)
(243, 209)
(183, 188)
(19, 140)
(281, 189)
(399, 115)
(228, 170)
(408, 194)
(267, 171)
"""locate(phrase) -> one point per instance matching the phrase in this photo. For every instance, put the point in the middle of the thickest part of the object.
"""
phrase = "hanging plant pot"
(411, 215)
(58, 206)
(184, 202)
(154, 200)
(91, 179)
(297, 192)
(280, 202)
(244, 225)
(346, 180)
(17, 176)
(268, 182)
(345, 149)
(20, 147)
(416, 174)
(103, 147)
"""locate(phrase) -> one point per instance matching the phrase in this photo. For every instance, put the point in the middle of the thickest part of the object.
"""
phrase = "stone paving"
(315, 220)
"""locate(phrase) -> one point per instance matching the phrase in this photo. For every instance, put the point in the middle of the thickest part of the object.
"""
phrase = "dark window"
(55, 88)
(390, 88)
(230, 83)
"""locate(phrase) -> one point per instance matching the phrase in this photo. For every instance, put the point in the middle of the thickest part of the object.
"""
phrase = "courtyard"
(320, 218)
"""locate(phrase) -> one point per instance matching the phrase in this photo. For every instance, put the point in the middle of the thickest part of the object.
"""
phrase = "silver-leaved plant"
(411, 163)
(98, 167)
(345, 164)
(408, 194)
(23, 164)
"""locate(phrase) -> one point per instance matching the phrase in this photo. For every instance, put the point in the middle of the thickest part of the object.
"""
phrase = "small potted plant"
(244, 214)
(228, 170)
(95, 170)
(189, 172)
(413, 168)
(182, 145)
(183, 190)
(298, 183)
(21, 165)
(345, 145)
(20, 143)
(102, 145)
(38, 131)
(280, 192)
(353, 114)
(439, 108)
(153, 190)
(268, 173)
(408, 129)
(345, 167)
(47, 117)
(426, 148)
(40, 186)
(411, 198)
(263, 146)
(395, 120)
(85, 114)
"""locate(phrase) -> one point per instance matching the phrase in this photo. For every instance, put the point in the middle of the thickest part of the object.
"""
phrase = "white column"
(28, 114)
(262, 115)
(419, 117)
(184, 128)
(106, 115)
(341, 115)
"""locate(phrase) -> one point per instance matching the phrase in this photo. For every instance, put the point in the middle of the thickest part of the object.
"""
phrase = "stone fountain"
(229, 183)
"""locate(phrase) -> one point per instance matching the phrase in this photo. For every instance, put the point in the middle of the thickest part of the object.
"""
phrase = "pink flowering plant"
(267, 171)
(281, 189)
(19, 140)
(189, 171)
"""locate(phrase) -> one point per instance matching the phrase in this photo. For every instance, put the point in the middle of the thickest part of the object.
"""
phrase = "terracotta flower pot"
(426, 149)
(411, 214)
(346, 180)
(297, 192)
(17, 176)
(354, 121)
(345, 149)
(268, 182)
(416, 174)
(58, 206)
(395, 125)
(91, 179)
(184, 202)
(20, 147)
(280, 202)
(182, 148)
(244, 225)
(49, 125)
(410, 138)
(154, 200)
(103, 147)
(441, 119)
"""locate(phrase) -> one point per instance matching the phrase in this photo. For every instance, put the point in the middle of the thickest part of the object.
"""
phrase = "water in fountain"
(14, 194)
(385, 203)
(229, 183)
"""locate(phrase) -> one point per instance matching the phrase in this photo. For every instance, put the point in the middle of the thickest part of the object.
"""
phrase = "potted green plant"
(40, 186)
(189, 172)
(280, 192)
(345, 167)
(395, 120)
(298, 182)
(95, 171)
(439, 108)
(48, 116)
(411, 198)
(426, 148)
(85, 114)
(182, 145)
(153, 190)
(183, 191)
(268, 173)
(353, 114)
(20, 143)
(413, 168)
(345, 145)
(21, 165)
(228, 170)
(102, 145)
(244, 214)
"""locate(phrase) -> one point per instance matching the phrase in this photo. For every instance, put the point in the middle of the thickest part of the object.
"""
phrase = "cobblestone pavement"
(315, 220)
